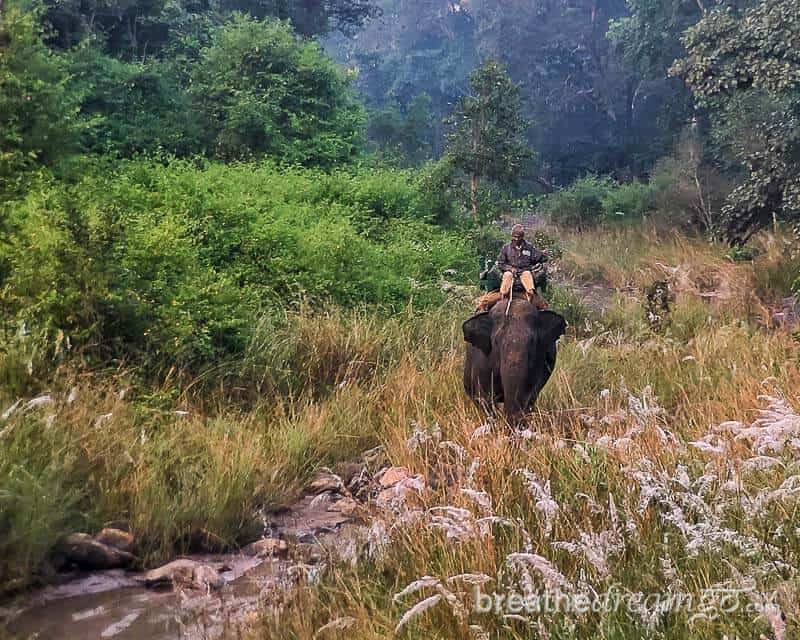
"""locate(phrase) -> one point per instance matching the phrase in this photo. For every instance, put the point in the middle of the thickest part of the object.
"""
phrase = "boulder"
(185, 573)
(346, 506)
(116, 538)
(399, 494)
(207, 577)
(267, 548)
(392, 476)
(175, 572)
(325, 481)
(87, 553)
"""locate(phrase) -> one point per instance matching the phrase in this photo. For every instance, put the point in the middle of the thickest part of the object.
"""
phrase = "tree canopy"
(486, 142)
(37, 114)
(262, 91)
(747, 67)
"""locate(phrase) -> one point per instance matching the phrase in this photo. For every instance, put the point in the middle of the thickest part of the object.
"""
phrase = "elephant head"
(511, 354)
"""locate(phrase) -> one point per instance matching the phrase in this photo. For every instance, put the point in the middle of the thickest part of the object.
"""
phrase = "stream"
(115, 604)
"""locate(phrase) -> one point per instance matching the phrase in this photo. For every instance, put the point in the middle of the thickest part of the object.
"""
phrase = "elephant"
(511, 353)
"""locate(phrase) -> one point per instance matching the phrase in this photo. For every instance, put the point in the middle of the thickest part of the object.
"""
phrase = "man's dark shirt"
(522, 258)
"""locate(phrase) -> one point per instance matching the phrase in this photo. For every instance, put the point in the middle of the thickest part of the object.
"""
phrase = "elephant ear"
(549, 326)
(478, 331)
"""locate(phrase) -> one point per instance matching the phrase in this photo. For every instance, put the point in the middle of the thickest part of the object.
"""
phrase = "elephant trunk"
(517, 387)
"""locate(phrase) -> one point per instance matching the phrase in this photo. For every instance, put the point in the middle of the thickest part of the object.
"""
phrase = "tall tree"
(593, 111)
(135, 29)
(37, 113)
(746, 68)
(416, 47)
(263, 91)
(486, 140)
(575, 87)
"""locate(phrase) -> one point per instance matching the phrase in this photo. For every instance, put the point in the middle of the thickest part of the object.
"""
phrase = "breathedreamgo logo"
(708, 604)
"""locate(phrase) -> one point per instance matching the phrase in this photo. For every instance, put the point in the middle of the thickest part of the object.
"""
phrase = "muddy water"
(113, 604)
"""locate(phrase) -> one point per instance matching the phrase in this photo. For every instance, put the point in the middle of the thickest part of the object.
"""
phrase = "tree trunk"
(473, 197)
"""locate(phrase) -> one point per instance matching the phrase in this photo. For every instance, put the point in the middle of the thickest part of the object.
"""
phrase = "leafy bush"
(262, 91)
(37, 114)
(630, 199)
(565, 302)
(742, 253)
(488, 240)
(541, 239)
(173, 262)
(593, 199)
(580, 204)
(688, 189)
(132, 107)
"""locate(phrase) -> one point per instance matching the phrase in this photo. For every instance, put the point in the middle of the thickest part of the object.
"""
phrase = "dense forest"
(238, 240)
(596, 110)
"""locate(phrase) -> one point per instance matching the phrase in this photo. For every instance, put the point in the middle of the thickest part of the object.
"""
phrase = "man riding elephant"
(519, 265)
(518, 260)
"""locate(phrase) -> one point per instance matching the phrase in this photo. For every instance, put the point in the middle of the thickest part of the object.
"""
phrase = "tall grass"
(191, 463)
(615, 424)
(618, 414)
(641, 474)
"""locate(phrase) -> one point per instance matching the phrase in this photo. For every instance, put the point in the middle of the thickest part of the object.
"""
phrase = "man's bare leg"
(526, 278)
(506, 283)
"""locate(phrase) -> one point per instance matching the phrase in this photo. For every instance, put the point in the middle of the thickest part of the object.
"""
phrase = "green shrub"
(743, 253)
(130, 108)
(37, 113)
(593, 199)
(261, 91)
(580, 204)
(488, 241)
(541, 239)
(173, 262)
(775, 274)
(631, 199)
(564, 301)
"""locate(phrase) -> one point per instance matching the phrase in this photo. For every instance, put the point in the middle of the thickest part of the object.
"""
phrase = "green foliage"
(261, 91)
(436, 181)
(132, 107)
(405, 135)
(173, 263)
(730, 56)
(594, 108)
(37, 113)
(742, 253)
(629, 199)
(778, 278)
(563, 300)
(689, 187)
(485, 143)
(235, 89)
(594, 199)
(36, 509)
(580, 204)
(421, 50)
(134, 30)
(488, 240)
(541, 239)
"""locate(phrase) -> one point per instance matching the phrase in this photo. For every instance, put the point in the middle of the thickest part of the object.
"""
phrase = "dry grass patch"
(613, 490)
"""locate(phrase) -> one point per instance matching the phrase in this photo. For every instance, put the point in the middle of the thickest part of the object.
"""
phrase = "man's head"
(517, 234)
